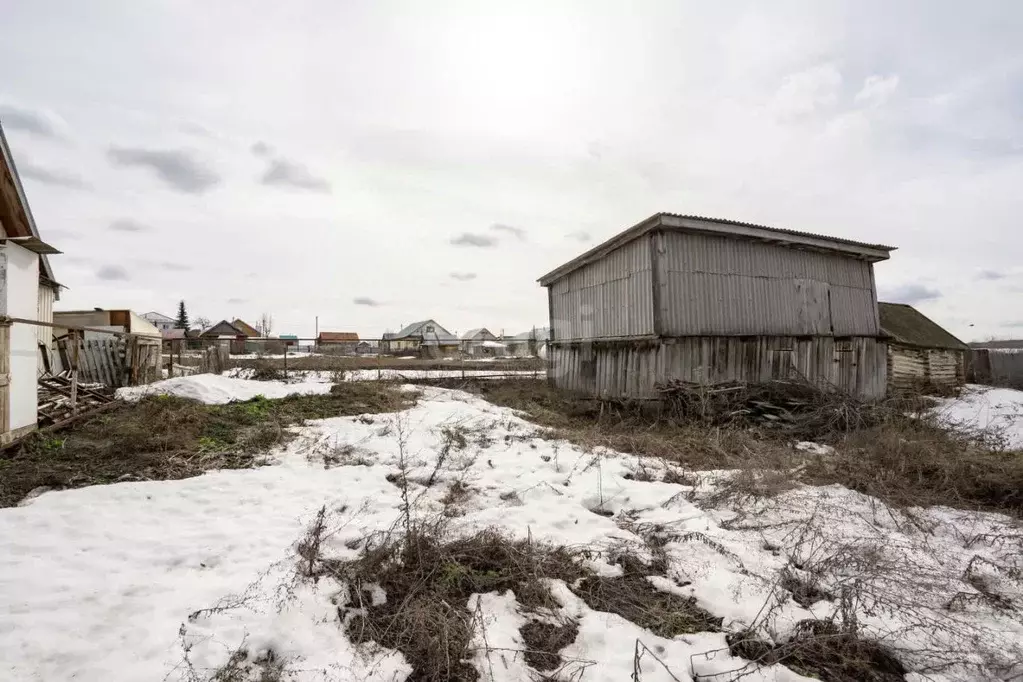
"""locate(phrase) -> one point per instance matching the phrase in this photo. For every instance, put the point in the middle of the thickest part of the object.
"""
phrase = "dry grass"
(634, 598)
(880, 451)
(166, 438)
(544, 640)
(820, 650)
(428, 581)
(242, 667)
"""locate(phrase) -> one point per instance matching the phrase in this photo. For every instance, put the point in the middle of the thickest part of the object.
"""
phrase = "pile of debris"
(798, 409)
(55, 399)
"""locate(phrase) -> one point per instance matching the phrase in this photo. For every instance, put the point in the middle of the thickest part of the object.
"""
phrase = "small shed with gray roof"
(921, 354)
(714, 301)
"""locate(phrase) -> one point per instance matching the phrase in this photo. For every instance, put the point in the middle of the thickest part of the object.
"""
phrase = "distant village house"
(425, 338)
(337, 343)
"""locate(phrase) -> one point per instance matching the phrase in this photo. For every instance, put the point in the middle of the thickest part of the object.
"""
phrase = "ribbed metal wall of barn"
(717, 285)
(713, 308)
(606, 299)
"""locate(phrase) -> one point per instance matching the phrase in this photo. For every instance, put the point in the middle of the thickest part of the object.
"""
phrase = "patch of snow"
(998, 411)
(215, 389)
(393, 374)
(115, 582)
(815, 448)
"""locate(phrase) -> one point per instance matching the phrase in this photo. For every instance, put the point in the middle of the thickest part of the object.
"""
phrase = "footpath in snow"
(165, 580)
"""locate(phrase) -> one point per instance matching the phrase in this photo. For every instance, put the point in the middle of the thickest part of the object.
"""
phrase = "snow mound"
(995, 410)
(214, 389)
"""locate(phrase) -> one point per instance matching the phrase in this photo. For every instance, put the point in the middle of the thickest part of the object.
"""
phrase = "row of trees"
(264, 326)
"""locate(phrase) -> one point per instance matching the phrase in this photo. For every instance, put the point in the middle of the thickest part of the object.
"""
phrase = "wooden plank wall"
(910, 368)
(631, 370)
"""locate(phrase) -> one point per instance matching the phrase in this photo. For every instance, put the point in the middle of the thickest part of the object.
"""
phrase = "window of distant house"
(429, 328)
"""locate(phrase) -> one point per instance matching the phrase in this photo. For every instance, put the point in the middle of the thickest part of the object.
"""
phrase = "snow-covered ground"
(214, 389)
(235, 384)
(126, 581)
(394, 374)
(998, 411)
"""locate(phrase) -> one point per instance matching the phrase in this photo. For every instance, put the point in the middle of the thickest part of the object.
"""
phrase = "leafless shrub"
(428, 581)
(805, 591)
(746, 485)
(338, 375)
(544, 640)
(242, 667)
(264, 370)
(309, 547)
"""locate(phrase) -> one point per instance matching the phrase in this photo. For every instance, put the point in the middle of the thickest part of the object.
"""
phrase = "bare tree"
(266, 324)
(203, 323)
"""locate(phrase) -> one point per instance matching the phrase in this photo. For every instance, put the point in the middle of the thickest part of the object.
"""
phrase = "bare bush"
(428, 581)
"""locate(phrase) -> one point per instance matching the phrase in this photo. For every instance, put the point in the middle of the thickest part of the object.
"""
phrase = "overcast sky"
(375, 162)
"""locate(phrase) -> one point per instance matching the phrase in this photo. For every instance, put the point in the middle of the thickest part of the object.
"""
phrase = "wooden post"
(73, 335)
(379, 362)
(5, 380)
(285, 363)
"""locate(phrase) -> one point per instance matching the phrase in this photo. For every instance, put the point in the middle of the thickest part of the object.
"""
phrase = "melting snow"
(116, 582)
(996, 410)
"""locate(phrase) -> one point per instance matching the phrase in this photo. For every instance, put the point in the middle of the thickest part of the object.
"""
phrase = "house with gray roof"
(425, 337)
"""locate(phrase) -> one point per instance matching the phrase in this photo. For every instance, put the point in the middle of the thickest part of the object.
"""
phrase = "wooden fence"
(113, 361)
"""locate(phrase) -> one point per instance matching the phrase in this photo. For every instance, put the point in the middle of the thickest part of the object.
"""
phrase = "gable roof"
(337, 336)
(905, 324)
(223, 328)
(153, 315)
(722, 227)
(18, 220)
(417, 329)
(244, 328)
(473, 333)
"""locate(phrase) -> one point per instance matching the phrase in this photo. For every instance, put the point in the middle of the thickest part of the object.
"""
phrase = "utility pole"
(317, 326)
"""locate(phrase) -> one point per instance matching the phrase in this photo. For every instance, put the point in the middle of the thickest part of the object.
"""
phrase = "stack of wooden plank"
(55, 399)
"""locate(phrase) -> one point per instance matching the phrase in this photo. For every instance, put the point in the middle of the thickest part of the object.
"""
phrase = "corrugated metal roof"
(721, 226)
(417, 329)
(781, 230)
(338, 336)
(905, 324)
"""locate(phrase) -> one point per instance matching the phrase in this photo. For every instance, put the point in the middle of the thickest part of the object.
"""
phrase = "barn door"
(813, 299)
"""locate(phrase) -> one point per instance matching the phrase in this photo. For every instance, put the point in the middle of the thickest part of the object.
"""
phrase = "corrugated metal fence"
(997, 367)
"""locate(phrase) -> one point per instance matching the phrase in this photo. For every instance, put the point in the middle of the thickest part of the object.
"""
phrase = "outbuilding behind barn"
(921, 355)
(714, 301)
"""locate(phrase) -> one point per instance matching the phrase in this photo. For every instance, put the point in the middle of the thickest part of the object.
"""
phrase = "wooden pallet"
(55, 400)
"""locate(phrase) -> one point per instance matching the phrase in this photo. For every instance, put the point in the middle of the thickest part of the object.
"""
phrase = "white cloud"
(877, 90)
(807, 92)
(756, 111)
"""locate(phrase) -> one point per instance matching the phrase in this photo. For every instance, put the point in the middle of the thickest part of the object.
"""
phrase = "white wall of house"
(19, 297)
